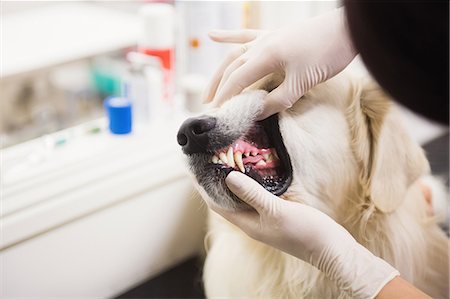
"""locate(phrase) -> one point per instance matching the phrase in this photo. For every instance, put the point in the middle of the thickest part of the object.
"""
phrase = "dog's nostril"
(203, 126)
(182, 139)
(193, 134)
(197, 129)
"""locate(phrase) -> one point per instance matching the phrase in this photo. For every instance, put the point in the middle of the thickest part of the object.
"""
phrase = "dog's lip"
(272, 129)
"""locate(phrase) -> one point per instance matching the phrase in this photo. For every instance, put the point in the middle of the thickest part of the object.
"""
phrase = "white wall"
(276, 14)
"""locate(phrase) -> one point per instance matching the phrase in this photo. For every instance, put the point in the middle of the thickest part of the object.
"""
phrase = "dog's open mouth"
(260, 154)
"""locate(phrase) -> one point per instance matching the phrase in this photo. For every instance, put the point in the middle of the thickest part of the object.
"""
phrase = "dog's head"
(230, 138)
(342, 137)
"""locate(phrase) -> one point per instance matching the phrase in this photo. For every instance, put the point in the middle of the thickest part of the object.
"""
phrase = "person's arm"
(307, 53)
(314, 237)
(398, 288)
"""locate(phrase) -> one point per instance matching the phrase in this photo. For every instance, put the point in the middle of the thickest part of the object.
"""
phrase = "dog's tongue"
(252, 159)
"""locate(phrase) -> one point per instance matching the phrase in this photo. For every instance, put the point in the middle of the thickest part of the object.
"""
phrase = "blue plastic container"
(119, 115)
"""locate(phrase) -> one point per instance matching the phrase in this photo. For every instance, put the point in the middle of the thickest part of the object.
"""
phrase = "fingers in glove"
(233, 36)
(249, 191)
(210, 91)
(238, 62)
(281, 98)
(241, 78)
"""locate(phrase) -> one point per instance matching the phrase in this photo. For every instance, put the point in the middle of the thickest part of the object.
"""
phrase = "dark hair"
(405, 46)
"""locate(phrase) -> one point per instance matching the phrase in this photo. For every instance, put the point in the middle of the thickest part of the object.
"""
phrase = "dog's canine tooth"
(230, 157)
(254, 153)
(239, 163)
(247, 154)
(266, 156)
(215, 159)
(219, 162)
(223, 157)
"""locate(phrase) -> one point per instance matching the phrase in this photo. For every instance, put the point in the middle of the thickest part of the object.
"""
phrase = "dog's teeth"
(215, 159)
(247, 154)
(266, 156)
(219, 162)
(275, 155)
(269, 158)
(254, 153)
(230, 157)
(261, 163)
(223, 157)
(239, 163)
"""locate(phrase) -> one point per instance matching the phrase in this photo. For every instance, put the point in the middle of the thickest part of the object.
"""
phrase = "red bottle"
(158, 39)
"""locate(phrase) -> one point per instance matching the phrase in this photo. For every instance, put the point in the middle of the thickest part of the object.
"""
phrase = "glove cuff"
(357, 271)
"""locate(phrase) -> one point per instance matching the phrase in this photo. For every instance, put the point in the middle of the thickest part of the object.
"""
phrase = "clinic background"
(61, 60)
(87, 212)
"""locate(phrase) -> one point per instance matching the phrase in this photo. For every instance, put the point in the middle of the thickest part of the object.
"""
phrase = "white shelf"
(96, 215)
(62, 32)
(43, 186)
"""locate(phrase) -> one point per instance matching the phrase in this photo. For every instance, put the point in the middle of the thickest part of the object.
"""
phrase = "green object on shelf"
(60, 141)
(94, 130)
(106, 83)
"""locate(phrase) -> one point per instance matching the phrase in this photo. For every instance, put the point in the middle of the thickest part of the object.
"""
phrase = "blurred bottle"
(144, 86)
(107, 72)
(192, 88)
(197, 55)
(158, 39)
(196, 52)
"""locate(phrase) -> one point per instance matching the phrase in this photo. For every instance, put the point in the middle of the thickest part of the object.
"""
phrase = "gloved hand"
(312, 52)
(308, 234)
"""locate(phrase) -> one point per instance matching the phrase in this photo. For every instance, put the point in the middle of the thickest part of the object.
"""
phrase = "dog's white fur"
(353, 160)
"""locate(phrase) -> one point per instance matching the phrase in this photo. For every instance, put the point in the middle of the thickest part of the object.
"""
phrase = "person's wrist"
(366, 274)
(370, 273)
(355, 269)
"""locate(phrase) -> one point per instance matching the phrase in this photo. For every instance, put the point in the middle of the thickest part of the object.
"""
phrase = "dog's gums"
(242, 153)
(261, 164)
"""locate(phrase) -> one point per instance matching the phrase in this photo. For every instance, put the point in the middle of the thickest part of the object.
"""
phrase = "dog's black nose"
(193, 134)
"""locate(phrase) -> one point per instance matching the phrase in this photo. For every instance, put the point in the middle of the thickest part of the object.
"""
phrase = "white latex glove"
(308, 234)
(308, 54)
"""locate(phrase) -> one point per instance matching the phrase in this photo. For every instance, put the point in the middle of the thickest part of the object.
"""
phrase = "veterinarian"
(405, 47)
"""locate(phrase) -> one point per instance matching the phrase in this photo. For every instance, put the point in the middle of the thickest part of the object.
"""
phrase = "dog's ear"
(389, 160)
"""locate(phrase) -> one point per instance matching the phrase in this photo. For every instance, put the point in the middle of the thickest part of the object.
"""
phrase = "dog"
(342, 149)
